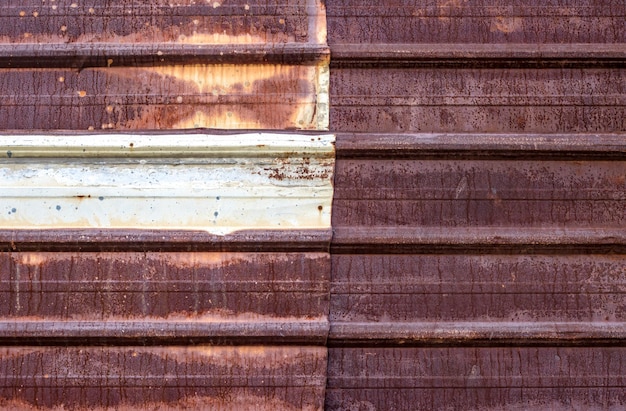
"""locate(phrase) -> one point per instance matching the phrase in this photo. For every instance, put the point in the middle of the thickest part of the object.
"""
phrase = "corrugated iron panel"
(163, 65)
(182, 297)
(162, 378)
(477, 378)
(476, 21)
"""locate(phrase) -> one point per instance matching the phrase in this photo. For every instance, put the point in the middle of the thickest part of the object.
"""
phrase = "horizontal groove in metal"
(422, 239)
(133, 378)
(164, 332)
(81, 56)
(487, 146)
(477, 378)
(96, 240)
(479, 55)
(432, 333)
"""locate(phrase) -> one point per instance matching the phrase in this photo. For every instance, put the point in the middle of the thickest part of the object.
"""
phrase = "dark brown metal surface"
(162, 378)
(241, 297)
(457, 193)
(476, 21)
(485, 379)
(384, 99)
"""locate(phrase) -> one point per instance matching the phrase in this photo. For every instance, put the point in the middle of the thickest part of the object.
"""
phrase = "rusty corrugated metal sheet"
(162, 378)
(203, 242)
(74, 65)
(475, 22)
(479, 267)
(179, 297)
(519, 100)
(476, 378)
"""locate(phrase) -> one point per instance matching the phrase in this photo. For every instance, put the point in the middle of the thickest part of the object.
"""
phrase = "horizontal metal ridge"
(475, 333)
(424, 239)
(473, 54)
(82, 55)
(163, 240)
(151, 331)
(483, 146)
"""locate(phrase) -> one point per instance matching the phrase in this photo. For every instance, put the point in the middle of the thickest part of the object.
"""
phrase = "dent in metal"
(215, 183)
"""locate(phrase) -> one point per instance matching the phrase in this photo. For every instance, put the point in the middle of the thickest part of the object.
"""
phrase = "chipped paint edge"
(215, 183)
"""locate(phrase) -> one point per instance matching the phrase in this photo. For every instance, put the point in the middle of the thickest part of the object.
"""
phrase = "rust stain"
(286, 96)
(507, 24)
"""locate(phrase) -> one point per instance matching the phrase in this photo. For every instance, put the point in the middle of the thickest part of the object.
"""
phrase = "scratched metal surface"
(476, 21)
(162, 378)
(476, 378)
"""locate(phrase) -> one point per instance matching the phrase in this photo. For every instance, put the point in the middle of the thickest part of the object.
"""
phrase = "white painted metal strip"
(217, 183)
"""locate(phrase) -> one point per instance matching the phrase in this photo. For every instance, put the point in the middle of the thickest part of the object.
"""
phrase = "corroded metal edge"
(271, 331)
(115, 55)
(472, 55)
(219, 184)
(482, 146)
(419, 239)
(458, 333)
(163, 240)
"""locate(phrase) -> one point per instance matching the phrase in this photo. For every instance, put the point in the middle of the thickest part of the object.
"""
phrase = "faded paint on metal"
(219, 184)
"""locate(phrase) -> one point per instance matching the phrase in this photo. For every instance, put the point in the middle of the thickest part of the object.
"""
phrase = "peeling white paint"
(217, 183)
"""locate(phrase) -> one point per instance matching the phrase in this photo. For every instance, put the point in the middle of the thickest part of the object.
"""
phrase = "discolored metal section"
(182, 22)
(163, 378)
(477, 378)
(216, 183)
(474, 22)
(266, 96)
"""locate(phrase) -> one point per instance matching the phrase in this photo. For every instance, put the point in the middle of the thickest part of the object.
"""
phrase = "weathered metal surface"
(481, 146)
(476, 21)
(461, 299)
(292, 240)
(164, 296)
(162, 378)
(485, 379)
(217, 183)
(485, 193)
(265, 96)
(386, 99)
(181, 22)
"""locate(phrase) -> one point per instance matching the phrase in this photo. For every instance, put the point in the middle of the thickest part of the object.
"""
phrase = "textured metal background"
(479, 212)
